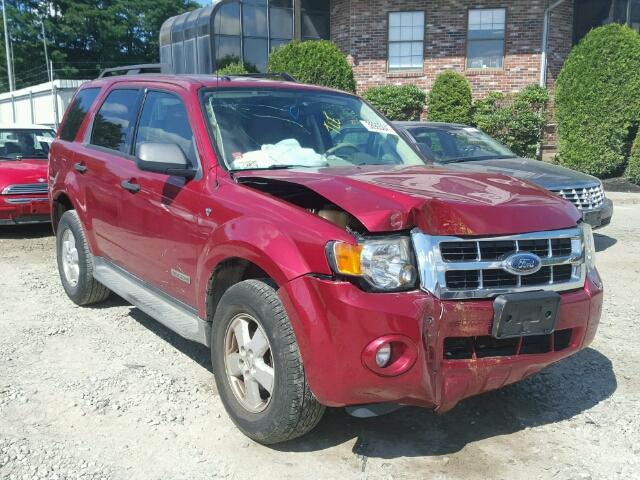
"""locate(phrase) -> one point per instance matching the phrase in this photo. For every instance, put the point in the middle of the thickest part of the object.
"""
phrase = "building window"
(406, 40)
(485, 38)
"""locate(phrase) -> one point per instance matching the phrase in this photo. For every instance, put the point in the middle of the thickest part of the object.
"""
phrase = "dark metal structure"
(206, 39)
(136, 70)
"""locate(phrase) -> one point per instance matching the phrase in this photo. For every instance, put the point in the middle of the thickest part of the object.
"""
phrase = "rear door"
(104, 160)
(159, 224)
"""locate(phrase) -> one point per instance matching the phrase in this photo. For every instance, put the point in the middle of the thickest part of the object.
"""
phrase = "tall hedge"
(450, 99)
(397, 102)
(598, 101)
(318, 62)
(633, 168)
(516, 119)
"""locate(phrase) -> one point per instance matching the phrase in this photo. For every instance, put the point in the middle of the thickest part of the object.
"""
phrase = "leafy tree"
(83, 36)
(450, 99)
(397, 102)
(597, 107)
(318, 62)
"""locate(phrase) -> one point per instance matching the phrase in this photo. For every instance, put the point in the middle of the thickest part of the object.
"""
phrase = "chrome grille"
(453, 267)
(586, 198)
(26, 189)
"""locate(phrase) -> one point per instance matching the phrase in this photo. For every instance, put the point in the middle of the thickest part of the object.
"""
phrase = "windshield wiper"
(473, 159)
(276, 167)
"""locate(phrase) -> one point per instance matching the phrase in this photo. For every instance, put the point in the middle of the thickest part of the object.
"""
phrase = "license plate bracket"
(525, 314)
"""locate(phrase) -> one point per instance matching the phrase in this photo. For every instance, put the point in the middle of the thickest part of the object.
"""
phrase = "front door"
(159, 217)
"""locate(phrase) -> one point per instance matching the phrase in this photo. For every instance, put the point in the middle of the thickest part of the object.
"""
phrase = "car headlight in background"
(386, 264)
(589, 246)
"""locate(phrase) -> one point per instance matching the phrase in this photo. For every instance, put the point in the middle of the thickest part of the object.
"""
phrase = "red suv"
(323, 268)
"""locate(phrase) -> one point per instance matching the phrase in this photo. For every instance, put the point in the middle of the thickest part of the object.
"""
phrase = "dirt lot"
(107, 393)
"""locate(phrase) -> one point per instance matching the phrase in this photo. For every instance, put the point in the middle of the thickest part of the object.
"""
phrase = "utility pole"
(46, 53)
(12, 85)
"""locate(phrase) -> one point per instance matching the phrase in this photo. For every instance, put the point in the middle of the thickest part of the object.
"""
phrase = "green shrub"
(397, 102)
(450, 99)
(597, 107)
(233, 68)
(633, 168)
(318, 62)
(516, 119)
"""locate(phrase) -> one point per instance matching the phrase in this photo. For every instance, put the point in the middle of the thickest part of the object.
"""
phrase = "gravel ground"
(107, 393)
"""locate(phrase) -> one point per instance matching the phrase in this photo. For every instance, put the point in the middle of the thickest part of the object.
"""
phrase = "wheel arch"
(227, 273)
(60, 204)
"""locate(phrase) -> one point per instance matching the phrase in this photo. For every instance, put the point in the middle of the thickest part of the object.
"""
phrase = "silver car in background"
(467, 148)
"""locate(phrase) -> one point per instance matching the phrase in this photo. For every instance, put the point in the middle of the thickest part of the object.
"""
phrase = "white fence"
(42, 104)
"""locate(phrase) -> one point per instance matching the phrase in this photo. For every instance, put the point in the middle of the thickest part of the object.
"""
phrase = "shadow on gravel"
(603, 242)
(16, 232)
(559, 393)
(198, 353)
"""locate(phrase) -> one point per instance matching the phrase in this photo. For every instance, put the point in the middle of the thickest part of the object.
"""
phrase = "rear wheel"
(75, 264)
(257, 366)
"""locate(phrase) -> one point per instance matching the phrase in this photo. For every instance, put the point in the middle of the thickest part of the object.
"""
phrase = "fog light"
(383, 355)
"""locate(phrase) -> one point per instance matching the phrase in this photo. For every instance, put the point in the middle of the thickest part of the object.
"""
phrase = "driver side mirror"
(167, 158)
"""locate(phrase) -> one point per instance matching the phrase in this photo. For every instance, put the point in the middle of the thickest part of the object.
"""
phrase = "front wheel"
(257, 366)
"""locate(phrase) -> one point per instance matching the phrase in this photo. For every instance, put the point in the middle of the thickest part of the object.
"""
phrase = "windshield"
(448, 144)
(18, 143)
(275, 128)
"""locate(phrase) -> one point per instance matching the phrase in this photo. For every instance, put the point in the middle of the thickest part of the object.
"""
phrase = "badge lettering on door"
(180, 276)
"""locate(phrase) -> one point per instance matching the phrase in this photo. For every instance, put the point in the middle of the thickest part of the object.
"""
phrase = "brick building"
(497, 45)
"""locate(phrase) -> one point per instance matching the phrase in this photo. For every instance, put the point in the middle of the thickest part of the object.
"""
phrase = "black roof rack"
(143, 68)
(281, 75)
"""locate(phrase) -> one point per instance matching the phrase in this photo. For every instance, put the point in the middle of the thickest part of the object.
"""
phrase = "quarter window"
(164, 120)
(114, 122)
(406, 40)
(485, 38)
(76, 113)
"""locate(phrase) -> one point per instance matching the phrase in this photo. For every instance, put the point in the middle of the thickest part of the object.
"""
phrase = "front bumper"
(334, 322)
(599, 217)
(20, 210)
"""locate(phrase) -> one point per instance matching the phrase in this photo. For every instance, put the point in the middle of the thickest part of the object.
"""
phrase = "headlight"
(386, 264)
(589, 246)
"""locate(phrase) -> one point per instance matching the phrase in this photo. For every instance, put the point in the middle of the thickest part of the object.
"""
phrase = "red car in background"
(23, 174)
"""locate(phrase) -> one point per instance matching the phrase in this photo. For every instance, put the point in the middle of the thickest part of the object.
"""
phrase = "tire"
(290, 410)
(76, 266)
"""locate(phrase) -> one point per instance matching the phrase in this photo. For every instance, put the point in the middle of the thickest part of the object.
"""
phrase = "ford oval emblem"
(522, 263)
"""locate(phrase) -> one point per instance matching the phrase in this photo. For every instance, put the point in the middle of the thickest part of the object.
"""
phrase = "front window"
(458, 144)
(274, 128)
(406, 40)
(16, 144)
(485, 38)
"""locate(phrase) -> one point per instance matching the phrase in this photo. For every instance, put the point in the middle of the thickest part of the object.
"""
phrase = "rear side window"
(76, 113)
(115, 121)
(164, 120)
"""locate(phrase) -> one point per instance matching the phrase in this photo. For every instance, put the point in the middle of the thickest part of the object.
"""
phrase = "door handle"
(80, 167)
(128, 185)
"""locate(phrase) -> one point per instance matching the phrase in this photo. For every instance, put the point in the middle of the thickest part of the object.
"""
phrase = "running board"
(171, 313)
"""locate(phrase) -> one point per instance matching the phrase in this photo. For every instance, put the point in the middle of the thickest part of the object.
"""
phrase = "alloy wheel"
(249, 363)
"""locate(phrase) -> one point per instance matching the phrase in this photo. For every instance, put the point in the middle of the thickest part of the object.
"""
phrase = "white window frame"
(405, 32)
(486, 20)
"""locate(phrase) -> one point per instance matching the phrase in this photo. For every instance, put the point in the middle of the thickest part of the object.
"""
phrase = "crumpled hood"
(546, 175)
(437, 200)
(22, 171)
